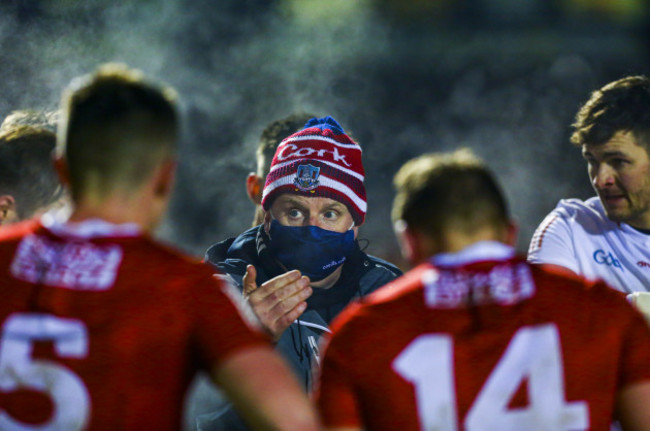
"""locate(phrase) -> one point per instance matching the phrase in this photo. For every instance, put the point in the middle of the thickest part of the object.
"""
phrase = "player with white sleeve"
(607, 236)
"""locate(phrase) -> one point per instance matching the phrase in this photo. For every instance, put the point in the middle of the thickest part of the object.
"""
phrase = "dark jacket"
(361, 275)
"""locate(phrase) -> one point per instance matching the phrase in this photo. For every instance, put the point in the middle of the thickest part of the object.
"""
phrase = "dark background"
(504, 77)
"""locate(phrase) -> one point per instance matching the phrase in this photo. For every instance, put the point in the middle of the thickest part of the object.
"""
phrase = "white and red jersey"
(483, 340)
(103, 329)
(579, 236)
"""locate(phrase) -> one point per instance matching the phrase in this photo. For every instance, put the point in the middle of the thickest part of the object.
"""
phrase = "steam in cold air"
(399, 89)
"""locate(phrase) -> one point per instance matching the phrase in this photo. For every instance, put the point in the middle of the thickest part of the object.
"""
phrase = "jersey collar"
(91, 228)
(479, 251)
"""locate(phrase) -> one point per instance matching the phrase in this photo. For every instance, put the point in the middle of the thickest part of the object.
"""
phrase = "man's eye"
(331, 215)
(294, 213)
(618, 162)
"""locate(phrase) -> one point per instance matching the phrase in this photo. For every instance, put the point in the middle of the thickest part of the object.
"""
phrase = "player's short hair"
(443, 191)
(30, 117)
(116, 126)
(26, 169)
(622, 105)
(273, 134)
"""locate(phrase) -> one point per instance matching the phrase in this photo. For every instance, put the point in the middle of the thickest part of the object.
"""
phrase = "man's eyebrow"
(334, 205)
(611, 153)
(293, 201)
(614, 153)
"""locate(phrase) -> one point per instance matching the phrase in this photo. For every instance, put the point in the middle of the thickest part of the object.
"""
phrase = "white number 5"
(18, 370)
(533, 353)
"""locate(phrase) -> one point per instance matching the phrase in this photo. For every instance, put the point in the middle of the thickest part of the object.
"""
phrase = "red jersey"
(483, 344)
(103, 328)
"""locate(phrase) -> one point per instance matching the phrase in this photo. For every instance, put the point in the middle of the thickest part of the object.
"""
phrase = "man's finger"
(286, 320)
(249, 284)
(264, 302)
(282, 306)
(276, 283)
(286, 298)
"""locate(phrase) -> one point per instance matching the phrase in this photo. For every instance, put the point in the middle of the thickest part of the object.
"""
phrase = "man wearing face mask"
(303, 265)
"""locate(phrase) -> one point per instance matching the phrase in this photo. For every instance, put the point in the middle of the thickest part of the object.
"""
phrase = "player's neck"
(119, 208)
(453, 241)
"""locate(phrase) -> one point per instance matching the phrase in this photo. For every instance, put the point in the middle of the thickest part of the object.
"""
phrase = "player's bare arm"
(279, 301)
(261, 387)
(632, 407)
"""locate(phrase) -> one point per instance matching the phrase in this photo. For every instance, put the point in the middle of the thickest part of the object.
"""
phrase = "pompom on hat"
(320, 160)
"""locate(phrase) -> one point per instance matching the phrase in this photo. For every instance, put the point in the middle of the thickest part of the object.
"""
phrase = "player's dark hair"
(438, 192)
(273, 134)
(116, 128)
(622, 105)
(26, 169)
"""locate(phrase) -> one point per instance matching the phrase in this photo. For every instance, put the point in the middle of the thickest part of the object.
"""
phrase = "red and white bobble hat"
(320, 160)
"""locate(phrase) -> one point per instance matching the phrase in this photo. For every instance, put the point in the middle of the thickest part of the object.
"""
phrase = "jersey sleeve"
(335, 396)
(224, 322)
(552, 243)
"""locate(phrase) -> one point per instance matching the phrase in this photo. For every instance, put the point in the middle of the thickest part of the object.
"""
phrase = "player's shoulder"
(385, 301)
(400, 288)
(570, 219)
(15, 232)
(567, 287)
(591, 209)
(175, 274)
(169, 258)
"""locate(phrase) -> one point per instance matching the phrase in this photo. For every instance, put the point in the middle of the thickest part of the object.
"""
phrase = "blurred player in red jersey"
(474, 338)
(102, 328)
(28, 183)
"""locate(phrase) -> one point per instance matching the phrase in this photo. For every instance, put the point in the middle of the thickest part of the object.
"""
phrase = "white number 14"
(427, 363)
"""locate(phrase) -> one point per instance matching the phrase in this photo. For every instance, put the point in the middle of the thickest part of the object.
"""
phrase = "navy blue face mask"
(314, 251)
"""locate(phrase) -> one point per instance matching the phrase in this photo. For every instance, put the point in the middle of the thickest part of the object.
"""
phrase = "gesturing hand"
(279, 301)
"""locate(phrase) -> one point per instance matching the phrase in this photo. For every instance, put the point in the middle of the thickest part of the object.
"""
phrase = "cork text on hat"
(320, 160)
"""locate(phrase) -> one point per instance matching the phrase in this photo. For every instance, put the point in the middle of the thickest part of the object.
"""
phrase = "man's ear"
(511, 233)
(415, 246)
(407, 240)
(8, 212)
(254, 187)
(165, 178)
(267, 221)
(61, 168)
